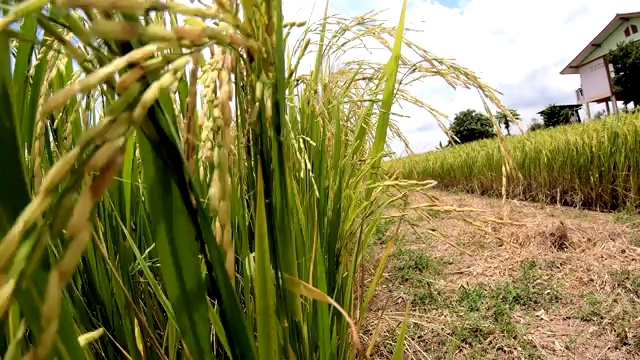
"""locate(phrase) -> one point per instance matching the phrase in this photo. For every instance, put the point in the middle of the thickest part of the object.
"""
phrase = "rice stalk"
(241, 236)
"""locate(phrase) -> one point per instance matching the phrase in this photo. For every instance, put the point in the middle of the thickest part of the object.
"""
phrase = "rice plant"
(593, 165)
(176, 185)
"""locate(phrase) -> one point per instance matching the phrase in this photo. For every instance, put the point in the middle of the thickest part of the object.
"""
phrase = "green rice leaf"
(175, 239)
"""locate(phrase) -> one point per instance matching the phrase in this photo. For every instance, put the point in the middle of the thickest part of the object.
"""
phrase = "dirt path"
(541, 282)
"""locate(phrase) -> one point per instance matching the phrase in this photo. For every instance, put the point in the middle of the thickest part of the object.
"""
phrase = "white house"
(591, 64)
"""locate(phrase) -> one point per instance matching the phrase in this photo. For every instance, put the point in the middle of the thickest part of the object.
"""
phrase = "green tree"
(441, 146)
(504, 120)
(600, 114)
(535, 125)
(553, 115)
(470, 125)
(625, 59)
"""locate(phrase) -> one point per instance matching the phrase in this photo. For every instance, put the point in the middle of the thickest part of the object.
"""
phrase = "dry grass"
(530, 282)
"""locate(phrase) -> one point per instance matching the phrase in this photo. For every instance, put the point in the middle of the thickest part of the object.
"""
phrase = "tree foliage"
(470, 125)
(535, 125)
(554, 115)
(625, 59)
(441, 146)
(504, 120)
(601, 114)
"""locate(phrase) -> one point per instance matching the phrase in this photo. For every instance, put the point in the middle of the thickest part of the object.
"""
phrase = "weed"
(474, 330)
(381, 231)
(418, 271)
(572, 339)
(592, 307)
(626, 214)
(484, 323)
(628, 335)
(427, 295)
(550, 265)
(413, 263)
(470, 298)
(483, 333)
(503, 320)
(528, 269)
(627, 279)
(528, 289)
(617, 314)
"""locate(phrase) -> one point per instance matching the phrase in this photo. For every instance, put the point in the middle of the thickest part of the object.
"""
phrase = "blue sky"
(453, 4)
(517, 47)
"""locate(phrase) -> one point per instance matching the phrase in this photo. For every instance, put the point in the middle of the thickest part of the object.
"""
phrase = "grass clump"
(627, 280)
(615, 311)
(414, 263)
(479, 317)
(593, 307)
(418, 272)
(528, 290)
(479, 325)
(471, 298)
(484, 321)
(626, 214)
(381, 231)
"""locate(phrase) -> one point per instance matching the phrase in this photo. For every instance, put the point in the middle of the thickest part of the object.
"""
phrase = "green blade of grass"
(14, 197)
(13, 186)
(127, 178)
(391, 73)
(174, 236)
(398, 351)
(21, 71)
(378, 275)
(268, 343)
(219, 329)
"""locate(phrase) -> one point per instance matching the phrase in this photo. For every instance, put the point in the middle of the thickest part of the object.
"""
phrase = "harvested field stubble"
(546, 282)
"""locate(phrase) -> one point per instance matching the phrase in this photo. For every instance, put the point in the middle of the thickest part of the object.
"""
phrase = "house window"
(632, 29)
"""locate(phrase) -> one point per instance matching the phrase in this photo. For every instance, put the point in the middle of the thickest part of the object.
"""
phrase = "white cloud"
(517, 47)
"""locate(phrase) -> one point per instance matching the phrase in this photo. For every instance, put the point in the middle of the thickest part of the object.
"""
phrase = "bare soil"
(508, 280)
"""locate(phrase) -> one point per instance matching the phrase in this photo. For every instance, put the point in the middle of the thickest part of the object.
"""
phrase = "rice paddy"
(593, 165)
(177, 185)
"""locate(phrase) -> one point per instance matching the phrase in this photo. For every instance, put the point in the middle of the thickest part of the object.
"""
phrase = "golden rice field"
(594, 165)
